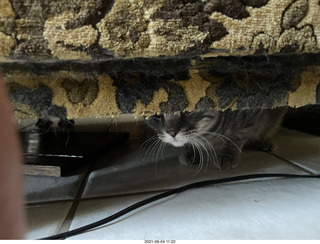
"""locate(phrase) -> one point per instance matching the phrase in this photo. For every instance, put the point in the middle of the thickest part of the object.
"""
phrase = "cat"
(217, 136)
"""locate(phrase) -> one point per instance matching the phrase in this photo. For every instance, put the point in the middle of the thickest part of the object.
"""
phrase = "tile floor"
(277, 208)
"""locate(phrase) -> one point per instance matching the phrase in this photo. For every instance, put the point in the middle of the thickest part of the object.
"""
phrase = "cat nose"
(172, 133)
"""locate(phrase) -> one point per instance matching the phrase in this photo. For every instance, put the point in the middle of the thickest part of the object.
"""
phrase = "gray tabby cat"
(218, 136)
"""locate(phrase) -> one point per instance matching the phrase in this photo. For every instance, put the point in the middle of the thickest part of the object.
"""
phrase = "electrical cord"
(167, 194)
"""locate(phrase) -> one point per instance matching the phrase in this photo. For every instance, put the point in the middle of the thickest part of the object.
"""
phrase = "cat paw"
(227, 162)
(268, 146)
(265, 145)
(226, 158)
(187, 158)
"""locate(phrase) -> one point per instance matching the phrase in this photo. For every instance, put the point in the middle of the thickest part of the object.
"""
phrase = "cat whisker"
(208, 153)
(197, 145)
(155, 149)
(161, 136)
(194, 150)
(213, 152)
(203, 146)
(224, 137)
(164, 146)
(158, 151)
(150, 149)
(195, 132)
(148, 141)
(155, 137)
(145, 144)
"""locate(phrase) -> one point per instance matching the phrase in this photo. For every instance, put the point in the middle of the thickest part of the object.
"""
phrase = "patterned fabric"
(74, 58)
(99, 29)
(110, 88)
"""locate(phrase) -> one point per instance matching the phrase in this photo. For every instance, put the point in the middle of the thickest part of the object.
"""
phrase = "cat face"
(181, 128)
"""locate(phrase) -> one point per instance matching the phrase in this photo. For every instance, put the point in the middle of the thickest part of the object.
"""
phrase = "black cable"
(166, 194)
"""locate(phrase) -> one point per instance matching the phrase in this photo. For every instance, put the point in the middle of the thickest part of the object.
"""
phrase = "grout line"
(65, 226)
(104, 197)
(129, 194)
(33, 204)
(293, 164)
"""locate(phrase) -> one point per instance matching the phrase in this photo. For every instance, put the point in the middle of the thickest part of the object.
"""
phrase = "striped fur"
(217, 136)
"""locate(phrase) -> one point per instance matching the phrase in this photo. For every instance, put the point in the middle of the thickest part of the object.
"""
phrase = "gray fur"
(218, 136)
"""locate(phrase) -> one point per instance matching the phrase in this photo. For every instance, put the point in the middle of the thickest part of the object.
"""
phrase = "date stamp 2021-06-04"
(160, 242)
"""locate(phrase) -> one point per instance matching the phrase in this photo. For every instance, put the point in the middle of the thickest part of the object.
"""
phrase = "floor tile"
(300, 148)
(44, 188)
(122, 173)
(45, 220)
(272, 209)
